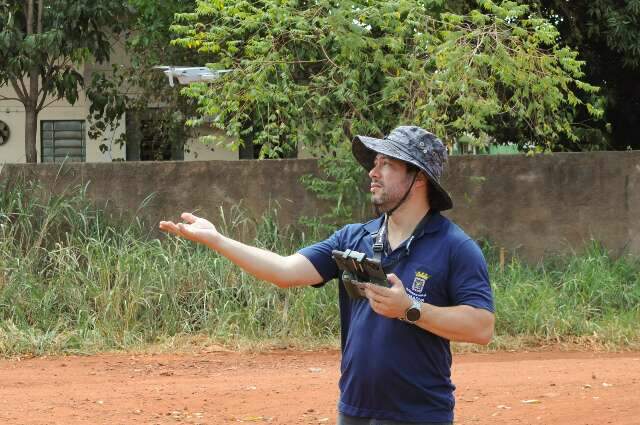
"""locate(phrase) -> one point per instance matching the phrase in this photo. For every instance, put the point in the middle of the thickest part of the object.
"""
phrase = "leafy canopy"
(137, 87)
(607, 35)
(42, 46)
(310, 73)
(61, 35)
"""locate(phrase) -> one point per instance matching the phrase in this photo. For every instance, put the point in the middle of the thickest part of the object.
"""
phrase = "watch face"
(413, 314)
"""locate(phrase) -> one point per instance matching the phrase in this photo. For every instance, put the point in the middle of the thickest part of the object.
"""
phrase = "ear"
(421, 180)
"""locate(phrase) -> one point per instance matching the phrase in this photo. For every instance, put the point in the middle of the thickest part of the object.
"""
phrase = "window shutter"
(63, 140)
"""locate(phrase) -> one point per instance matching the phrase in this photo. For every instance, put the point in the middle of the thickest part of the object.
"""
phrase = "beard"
(383, 202)
(389, 196)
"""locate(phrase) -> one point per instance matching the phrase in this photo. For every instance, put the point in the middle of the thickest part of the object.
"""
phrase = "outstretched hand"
(194, 228)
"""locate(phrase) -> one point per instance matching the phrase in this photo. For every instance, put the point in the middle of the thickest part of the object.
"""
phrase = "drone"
(191, 74)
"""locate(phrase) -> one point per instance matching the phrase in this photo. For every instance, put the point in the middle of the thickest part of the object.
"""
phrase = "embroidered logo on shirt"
(419, 281)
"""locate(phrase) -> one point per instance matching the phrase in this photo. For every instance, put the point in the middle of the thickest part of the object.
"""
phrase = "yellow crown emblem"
(422, 275)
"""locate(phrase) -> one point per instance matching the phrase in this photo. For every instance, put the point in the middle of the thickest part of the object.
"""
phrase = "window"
(154, 146)
(152, 136)
(62, 140)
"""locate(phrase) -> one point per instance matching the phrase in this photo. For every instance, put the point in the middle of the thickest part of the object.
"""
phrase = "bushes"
(73, 279)
(587, 296)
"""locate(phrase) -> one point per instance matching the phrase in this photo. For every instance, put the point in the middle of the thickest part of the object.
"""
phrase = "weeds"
(73, 279)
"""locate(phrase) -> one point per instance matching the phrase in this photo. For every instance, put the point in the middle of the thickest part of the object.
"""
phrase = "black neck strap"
(380, 240)
(404, 198)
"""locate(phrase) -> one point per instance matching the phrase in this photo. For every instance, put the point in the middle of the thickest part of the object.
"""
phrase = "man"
(396, 359)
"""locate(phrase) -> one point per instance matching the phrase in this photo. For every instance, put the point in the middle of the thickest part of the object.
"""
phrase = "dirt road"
(301, 388)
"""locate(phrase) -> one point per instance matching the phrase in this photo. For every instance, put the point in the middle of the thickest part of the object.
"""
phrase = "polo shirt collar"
(432, 225)
(373, 226)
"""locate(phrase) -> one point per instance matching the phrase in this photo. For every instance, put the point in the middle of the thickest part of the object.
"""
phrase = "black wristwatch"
(412, 314)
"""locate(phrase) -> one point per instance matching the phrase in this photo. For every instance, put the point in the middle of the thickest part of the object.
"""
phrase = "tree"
(42, 45)
(607, 35)
(311, 73)
(315, 73)
(135, 86)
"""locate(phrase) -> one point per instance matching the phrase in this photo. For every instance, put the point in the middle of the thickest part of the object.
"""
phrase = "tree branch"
(20, 91)
(327, 56)
(40, 9)
(46, 89)
(9, 98)
(29, 17)
(25, 92)
(46, 76)
(40, 107)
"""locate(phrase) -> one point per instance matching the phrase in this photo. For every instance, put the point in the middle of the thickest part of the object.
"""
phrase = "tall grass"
(73, 279)
(588, 298)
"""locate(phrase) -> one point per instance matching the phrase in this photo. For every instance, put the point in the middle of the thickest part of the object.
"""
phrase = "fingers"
(393, 279)
(169, 226)
(373, 303)
(377, 290)
(180, 229)
(188, 217)
(380, 306)
(177, 229)
(371, 292)
(374, 300)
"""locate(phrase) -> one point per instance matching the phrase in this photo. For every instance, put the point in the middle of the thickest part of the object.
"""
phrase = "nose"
(373, 173)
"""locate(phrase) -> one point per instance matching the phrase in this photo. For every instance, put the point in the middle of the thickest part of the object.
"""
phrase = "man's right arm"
(285, 272)
(294, 270)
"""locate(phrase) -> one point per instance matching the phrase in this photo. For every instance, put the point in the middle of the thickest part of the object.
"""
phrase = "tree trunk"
(31, 101)
(31, 133)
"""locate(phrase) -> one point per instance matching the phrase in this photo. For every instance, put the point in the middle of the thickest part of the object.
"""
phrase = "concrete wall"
(201, 187)
(529, 205)
(549, 203)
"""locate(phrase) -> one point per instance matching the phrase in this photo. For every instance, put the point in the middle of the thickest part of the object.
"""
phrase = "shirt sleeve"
(470, 278)
(320, 256)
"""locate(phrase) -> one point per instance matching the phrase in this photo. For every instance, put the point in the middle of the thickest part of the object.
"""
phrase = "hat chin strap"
(404, 198)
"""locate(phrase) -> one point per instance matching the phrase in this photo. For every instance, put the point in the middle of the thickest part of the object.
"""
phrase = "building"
(63, 133)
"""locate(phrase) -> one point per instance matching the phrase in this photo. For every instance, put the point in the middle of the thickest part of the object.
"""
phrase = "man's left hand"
(390, 302)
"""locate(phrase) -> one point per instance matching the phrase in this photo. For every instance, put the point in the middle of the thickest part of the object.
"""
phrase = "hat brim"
(366, 148)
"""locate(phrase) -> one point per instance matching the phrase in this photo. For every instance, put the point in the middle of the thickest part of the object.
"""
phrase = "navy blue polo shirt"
(392, 369)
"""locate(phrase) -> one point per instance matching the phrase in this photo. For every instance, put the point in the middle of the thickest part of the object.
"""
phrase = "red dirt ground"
(287, 387)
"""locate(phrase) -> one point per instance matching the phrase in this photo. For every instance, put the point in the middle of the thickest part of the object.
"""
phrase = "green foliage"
(315, 74)
(108, 105)
(588, 296)
(136, 86)
(73, 279)
(501, 72)
(312, 73)
(43, 46)
(607, 35)
(341, 186)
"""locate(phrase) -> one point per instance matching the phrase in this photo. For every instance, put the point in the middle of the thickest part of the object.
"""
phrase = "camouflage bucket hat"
(413, 145)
